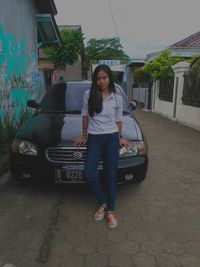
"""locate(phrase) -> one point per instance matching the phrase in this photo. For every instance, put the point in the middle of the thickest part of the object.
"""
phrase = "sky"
(143, 26)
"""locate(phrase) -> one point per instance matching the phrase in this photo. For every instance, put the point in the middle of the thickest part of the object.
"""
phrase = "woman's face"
(103, 80)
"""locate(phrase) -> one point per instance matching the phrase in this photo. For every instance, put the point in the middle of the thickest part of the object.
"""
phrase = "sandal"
(100, 213)
(111, 220)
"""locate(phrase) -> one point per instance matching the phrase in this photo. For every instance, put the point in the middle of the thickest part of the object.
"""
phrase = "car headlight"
(135, 148)
(24, 147)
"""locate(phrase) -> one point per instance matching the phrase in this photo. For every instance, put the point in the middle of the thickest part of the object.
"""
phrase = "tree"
(141, 76)
(105, 48)
(159, 68)
(70, 49)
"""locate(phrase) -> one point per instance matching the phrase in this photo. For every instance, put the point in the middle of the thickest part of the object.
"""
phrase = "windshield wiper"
(73, 112)
(61, 111)
(54, 111)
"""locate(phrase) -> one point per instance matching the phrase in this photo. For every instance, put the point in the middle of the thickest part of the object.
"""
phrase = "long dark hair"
(95, 98)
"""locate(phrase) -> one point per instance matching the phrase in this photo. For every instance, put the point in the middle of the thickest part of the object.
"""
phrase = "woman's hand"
(81, 141)
(124, 142)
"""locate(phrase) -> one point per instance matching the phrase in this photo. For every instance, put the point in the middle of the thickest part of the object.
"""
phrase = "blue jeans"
(106, 145)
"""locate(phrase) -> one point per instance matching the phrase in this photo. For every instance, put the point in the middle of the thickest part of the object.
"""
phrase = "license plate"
(69, 176)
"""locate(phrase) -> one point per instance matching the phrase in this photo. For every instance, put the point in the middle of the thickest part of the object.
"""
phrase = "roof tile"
(192, 41)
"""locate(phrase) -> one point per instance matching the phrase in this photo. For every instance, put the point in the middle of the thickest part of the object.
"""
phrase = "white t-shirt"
(105, 121)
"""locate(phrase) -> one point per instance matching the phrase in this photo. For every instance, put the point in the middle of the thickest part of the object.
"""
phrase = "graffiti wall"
(20, 79)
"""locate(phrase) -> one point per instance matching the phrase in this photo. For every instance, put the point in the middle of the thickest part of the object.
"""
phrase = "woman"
(102, 125)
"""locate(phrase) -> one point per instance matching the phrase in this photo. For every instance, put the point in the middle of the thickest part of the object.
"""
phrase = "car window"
(54, 100)
(74, 97)
(69, 99)
(121, 92)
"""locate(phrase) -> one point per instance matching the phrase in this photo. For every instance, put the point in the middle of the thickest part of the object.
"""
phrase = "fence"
(184, 105)
(140, 95)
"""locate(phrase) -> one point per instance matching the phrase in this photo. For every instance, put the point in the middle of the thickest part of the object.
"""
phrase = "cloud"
(143, 26)
(150, 46)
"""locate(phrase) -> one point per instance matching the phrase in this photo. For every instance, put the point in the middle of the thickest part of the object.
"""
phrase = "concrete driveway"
(159, 220)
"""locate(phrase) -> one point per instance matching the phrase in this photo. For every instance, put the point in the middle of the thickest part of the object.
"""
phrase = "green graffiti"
(19, 100)
(20, 82)
(19, 78)
(12, 54)
(33, 58)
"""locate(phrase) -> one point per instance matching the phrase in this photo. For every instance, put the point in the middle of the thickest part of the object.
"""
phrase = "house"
(48, 35)
(22, 33)
(186, 48)
(74, 71)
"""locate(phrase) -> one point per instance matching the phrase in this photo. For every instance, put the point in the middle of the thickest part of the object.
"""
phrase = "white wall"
(189, 116)
(184, 114)
(164, 108)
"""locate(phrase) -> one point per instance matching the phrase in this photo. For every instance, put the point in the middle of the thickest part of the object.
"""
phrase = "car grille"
(66, 154)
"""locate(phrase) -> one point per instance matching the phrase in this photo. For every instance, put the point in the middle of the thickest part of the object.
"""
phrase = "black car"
(43, 147)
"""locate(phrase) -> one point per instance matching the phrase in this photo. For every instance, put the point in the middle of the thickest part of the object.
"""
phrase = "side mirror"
(32, 104)
(133, 105)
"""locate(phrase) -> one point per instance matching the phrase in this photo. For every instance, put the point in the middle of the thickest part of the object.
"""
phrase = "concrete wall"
(74, 72)
(176, 110)
(19, 76)
(185, 114)
(164, 108)
(71, 72)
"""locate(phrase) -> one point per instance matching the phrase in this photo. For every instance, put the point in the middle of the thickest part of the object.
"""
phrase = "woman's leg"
(111, 156)
(93, 155)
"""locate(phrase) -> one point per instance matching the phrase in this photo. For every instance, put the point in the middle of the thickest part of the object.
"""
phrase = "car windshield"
(70, 99)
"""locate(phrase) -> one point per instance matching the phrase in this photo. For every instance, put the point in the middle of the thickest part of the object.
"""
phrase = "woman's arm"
(81, 141)
(85, 122)
(122, 141)
(119, 125)
(118, 121)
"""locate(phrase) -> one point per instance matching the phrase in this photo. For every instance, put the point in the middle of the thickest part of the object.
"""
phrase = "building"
(74, 71)
(186, 48)
(22, 32)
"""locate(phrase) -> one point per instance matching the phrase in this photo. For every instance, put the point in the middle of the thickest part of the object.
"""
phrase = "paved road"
(159, 220)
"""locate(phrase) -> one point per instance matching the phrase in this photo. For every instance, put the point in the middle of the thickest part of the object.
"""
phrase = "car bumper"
(32, 168)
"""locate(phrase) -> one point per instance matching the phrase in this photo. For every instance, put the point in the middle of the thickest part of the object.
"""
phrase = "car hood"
(58, 129)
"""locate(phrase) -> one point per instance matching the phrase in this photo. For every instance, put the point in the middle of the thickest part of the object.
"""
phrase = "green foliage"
(7, 129)
(194, 59)
(141, 76)
(9, 125)
(159, 68)
(70, 49)
(105, 48)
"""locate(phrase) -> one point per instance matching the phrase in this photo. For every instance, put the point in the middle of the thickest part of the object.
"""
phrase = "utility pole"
(129, 83)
